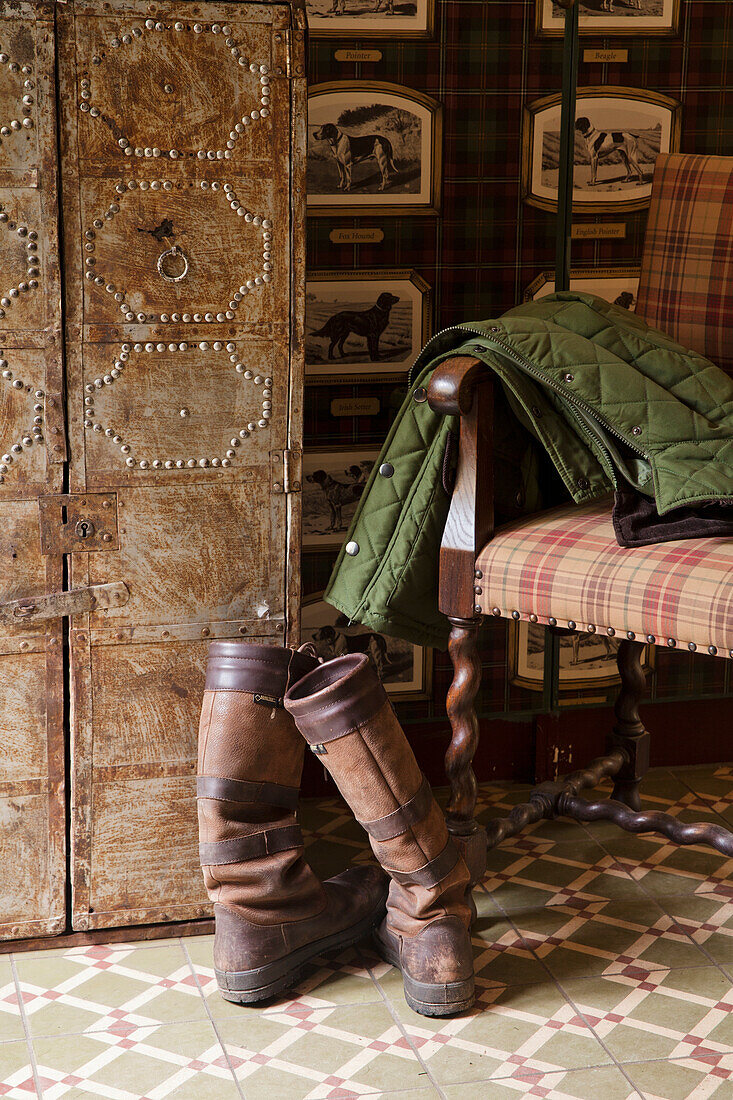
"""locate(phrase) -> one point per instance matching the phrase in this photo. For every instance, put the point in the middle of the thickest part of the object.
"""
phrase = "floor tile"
(523, 875)
(11, 1024)
(665, 869)
(107, 988)
(708, 920)
(501, 957)
(607, 1082)
(338, 979)
(706, 1078)
(182, 1060)
(606, 937)
(659, 1014)
(302, 1051)
(16, 1072)
(527, 1027)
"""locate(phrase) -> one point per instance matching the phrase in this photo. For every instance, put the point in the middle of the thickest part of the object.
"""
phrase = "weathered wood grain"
(175, 405)
(32, 828)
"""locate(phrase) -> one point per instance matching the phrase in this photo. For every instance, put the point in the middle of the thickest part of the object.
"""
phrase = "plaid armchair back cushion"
(686, 285)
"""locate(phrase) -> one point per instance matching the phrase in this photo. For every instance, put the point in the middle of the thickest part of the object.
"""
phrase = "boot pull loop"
(307, 648)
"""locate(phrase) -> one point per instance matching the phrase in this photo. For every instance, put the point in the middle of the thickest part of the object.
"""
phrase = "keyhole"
(84, 529)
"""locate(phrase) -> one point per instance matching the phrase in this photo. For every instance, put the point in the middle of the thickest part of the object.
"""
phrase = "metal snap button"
(386, 469)
(583, 483)
(569, 377)
(420, 394)
(352, 549)
(636, 430)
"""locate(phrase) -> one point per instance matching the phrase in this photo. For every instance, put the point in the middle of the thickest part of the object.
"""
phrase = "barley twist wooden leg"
(463, 650)
(629, 732)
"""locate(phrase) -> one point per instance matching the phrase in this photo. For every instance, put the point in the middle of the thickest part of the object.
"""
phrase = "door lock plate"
(73, 523)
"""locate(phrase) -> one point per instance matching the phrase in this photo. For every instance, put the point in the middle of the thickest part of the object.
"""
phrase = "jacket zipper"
(532, 370)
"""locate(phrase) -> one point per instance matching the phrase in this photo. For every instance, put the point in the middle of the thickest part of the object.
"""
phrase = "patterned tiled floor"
(604, 968)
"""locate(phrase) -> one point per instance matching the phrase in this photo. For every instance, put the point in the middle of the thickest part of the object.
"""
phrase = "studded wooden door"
(32, 844)
(182, 274)
(181, 143)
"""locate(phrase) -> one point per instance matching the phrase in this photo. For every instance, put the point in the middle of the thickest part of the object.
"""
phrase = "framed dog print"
(333, 482)
(404, 669)
(361, 325)
(619, 133)
(586, 660)
(373, 148)
(371, 18)
(619, 285)
(616, 17)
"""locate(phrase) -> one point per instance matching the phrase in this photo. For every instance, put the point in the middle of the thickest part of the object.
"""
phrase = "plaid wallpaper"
(485, 248)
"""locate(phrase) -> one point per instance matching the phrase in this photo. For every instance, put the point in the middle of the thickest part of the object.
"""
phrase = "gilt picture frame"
(366, 325)
(619, 133)
(640, 18)
(371, 19)
(373, 148)
(404, 669)
(586, 660)
(619, 285)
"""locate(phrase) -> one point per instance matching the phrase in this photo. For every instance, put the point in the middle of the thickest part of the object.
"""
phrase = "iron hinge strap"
(55, 605)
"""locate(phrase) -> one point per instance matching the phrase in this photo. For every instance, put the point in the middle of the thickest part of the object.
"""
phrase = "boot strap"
(432, 873)
(400, 820)
(239, 849)
(239, 790)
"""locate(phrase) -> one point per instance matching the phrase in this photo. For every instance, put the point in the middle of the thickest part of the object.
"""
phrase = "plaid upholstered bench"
(564, 568)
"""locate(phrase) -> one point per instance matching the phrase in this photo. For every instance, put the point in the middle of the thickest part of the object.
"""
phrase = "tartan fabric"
(686, 285)
(565, 564)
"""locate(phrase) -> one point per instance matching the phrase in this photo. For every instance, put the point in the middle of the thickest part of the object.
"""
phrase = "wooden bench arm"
(463, 386)
(453, 383)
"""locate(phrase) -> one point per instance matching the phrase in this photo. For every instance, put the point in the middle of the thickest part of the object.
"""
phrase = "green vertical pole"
(567, 145)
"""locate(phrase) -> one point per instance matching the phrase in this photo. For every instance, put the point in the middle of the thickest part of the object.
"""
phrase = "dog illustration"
(339, 7)
(602, 143)
(607, 5)
(608, 645)
(369, 323)
(337, 493)
(351, 149)
(334, 643)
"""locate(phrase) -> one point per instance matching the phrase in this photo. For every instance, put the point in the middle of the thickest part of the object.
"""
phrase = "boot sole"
(429, 998)
(248, 987)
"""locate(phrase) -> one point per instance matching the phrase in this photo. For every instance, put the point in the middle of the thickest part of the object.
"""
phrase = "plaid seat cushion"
(565, 566)
(686, 284)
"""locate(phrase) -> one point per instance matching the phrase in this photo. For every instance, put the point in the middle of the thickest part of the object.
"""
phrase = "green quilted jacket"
(584, 382)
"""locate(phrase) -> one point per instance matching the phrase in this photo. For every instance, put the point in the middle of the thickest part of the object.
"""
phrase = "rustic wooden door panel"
(154, 411)
(184, 391)
(177, 89)
(32, 813)
(138, 789)
(157, 689)
(22, 299)
(185, 555)
(23, 398)
(19, 67)
(31, 789)
(146, 859)
(225, 264)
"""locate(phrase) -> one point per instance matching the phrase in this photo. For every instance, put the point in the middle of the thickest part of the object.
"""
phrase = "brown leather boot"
(343, 712)
(272, 913)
